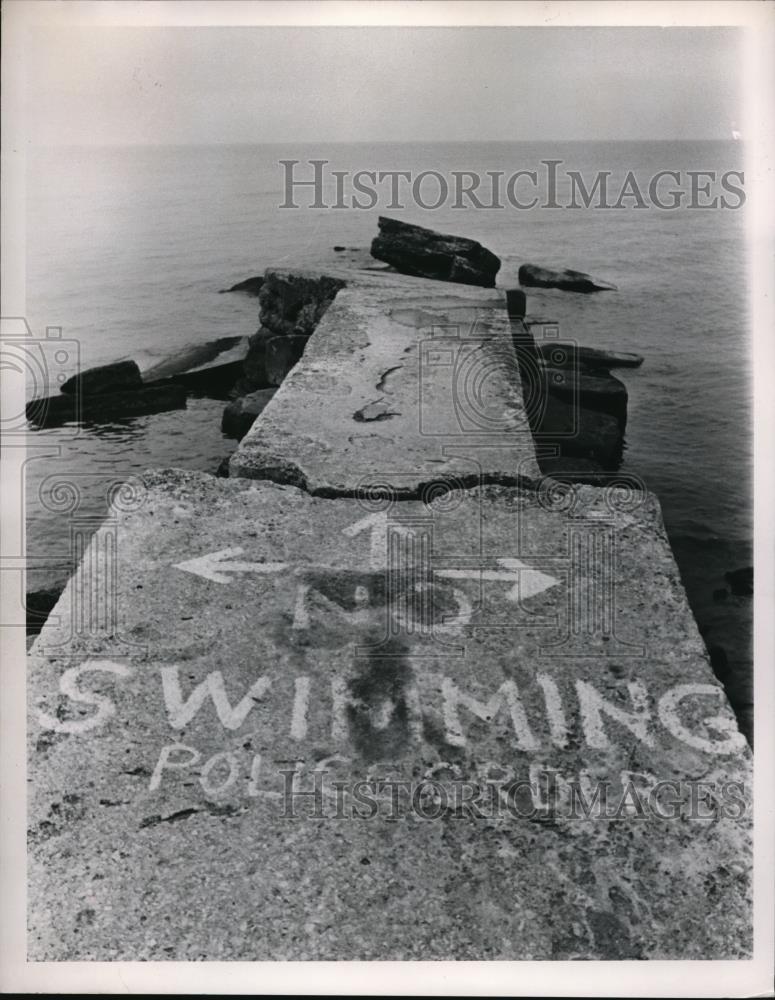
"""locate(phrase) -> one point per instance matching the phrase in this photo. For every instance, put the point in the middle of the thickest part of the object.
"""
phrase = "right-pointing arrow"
(527, 581)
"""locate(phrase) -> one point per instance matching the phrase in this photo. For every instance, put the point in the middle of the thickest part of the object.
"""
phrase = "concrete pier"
(404, 381)
(387, 693)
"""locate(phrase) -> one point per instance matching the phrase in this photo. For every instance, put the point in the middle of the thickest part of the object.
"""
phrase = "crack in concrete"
(181, 814)
(435, 486)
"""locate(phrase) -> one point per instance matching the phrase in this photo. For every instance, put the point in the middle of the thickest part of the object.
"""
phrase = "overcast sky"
(220, 85)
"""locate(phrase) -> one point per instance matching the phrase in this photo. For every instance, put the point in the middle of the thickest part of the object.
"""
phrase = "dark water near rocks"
(127, 249)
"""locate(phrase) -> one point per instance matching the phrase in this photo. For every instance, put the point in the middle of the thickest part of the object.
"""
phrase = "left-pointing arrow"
(217, 566)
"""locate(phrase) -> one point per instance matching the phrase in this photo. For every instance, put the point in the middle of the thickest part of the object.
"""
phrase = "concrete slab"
(404, 381)
(246, 643)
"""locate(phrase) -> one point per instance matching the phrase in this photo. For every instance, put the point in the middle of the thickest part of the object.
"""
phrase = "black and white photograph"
(386, 466)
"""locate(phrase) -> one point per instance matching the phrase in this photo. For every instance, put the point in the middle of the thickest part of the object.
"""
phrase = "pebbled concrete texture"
(405, 381)
(480, 635)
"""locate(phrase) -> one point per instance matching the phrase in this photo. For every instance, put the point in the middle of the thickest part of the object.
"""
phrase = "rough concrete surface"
(403, 379)
(482, 636)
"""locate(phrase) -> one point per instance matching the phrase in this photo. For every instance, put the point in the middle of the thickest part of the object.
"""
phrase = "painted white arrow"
(217, 566)
(377, 523)
(527, 581)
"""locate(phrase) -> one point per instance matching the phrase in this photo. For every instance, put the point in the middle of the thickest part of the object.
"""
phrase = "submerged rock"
(580, 432)
(531, 275)
(740, 581)
(574, 413)
(595, 391)
(564, 355)
(120, 375)
(53, 411)
(250, 286)
(427, 254)
(240, 414)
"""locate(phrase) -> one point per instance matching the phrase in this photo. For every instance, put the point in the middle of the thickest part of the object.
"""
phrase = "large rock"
(269, 359)
(579, 432)
(253, 375)
(250, 286)
(561, 354)
(53, 411)
(212, 367)
(740, 581)
(573, 413)
(599, 391)
(292, 304)
(428, 254)
(531, 275)
(121, 375)
(239, 415)
(281, 355)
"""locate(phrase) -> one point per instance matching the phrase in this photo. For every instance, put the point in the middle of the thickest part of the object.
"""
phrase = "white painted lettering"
(558, 726)
(68, 685)
(300, 708)
(213, 790)
(181, 712)
(380, 715)
(506, 696)
(166, 764)
(593, 706)
(670, 718)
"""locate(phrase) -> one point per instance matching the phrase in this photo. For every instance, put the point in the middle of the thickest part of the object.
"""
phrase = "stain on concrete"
(612, 937)
(211, 808)
(377, 410)
(378, 688)
(384, 384)
(172, 818)
(60, 815)
(85, 917)
(435, 734)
